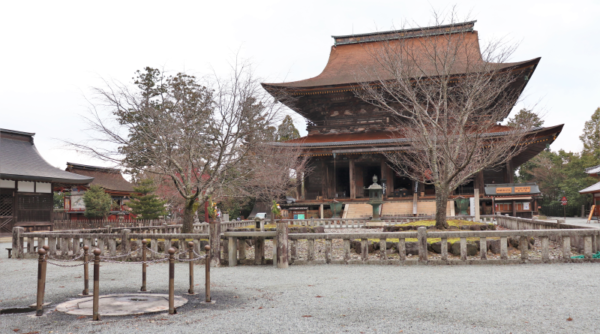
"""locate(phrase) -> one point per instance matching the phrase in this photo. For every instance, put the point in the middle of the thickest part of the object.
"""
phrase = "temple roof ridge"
(378, 36)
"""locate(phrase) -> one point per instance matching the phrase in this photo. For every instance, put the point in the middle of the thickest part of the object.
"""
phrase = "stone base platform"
(120, 305)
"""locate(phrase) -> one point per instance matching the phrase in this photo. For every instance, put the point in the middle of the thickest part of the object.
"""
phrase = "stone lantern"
(375, 198)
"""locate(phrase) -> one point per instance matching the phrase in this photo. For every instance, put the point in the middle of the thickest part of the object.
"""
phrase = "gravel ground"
(327, 299)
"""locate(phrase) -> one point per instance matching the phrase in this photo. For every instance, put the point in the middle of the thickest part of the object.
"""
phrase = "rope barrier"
(173, 255)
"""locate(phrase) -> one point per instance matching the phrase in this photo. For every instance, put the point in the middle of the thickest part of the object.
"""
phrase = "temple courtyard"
(541, 298)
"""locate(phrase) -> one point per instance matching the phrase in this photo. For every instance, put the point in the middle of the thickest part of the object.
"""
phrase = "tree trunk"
(441, 203)
(188, 217)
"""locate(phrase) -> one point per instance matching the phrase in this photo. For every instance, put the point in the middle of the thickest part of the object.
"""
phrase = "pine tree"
(591, 134)
(97, 202)
(287, 130)
(525, 116)
(144, 203)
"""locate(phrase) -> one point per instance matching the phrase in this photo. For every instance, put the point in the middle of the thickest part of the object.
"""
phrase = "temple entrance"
(342, 186)
(403, 186)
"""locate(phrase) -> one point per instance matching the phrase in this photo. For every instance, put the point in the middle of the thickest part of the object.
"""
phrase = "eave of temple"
(379, 142)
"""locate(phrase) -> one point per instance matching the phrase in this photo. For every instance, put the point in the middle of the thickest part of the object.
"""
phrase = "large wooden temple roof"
(352, 59)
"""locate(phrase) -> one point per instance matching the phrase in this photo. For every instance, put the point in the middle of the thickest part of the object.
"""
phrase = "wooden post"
(422, 238)
(86, 275)
(282, 245)
(352, 179)
(172, 281)
(144, 265)
(191, 264)
(514, 209)
(45, 247)
(41, 284)
(95, 302)
(476, 193)
(207, 274)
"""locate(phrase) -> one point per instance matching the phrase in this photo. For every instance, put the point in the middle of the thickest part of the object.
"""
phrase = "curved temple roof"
(21, 161)
(108, 178)
(353, 58)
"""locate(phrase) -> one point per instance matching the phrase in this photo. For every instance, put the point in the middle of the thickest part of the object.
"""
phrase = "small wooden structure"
(27, 182)
(514, 199)
(110, 179)
(594, 190)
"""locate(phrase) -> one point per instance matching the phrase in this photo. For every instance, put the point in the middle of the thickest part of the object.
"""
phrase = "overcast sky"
(52, 52)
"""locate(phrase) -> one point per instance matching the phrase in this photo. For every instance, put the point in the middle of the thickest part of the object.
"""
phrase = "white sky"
(52, 52)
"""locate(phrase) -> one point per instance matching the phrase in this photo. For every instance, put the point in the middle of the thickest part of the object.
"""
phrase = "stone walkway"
(326, 299)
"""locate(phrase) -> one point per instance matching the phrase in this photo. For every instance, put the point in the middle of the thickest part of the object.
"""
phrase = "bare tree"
(282, 168)
(447, 97)
(200, 137)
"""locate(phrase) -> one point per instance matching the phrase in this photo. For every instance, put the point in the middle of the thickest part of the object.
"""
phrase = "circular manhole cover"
(116, 305)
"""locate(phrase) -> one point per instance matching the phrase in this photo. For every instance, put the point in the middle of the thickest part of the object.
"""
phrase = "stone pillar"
(321, 210)
(215, 243)
(282, 245)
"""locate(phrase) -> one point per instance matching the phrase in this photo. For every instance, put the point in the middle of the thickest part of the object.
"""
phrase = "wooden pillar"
(509, 172)
(302, 190)
(352, 179)
(390, 178)
(514, 208)
(480, 183)
(476, 190)
(323, 179)
(334, 195)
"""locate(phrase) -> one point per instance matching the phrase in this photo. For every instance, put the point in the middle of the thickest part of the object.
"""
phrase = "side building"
(347, 137)
(113, 183)
(27, 182)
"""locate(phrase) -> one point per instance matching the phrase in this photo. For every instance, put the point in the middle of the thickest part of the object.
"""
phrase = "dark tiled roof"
(107, 178)
(382, 137)
(352, 60)
(20, 160)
